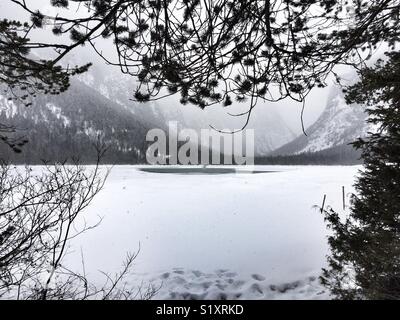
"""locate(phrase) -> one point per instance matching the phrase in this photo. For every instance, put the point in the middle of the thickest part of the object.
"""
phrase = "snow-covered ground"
(227, 236)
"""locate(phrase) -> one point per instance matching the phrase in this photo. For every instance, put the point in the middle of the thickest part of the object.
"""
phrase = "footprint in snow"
(206, 285)
(179, 271)
(258, 277)
(230, 274)
(255, 288)
(179, 280)
(197, 273)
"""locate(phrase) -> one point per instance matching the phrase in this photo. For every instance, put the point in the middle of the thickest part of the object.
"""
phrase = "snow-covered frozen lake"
(231, 235)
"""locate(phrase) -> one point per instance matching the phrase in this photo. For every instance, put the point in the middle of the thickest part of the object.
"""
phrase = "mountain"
(66, 125)
(271, 132)
(112, 84)
(118, 88)
(99, 103)
(270, 129)
(338, 125)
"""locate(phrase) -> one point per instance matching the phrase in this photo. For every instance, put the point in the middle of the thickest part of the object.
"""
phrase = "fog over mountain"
(105, 89)
(274, 123)
(270, 123)
(99, 103)
(338, 125)
(63, 126)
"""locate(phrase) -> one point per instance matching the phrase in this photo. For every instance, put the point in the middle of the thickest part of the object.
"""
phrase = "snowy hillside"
(338, 125)
(271, 131)
(66, 125)
(119, 88)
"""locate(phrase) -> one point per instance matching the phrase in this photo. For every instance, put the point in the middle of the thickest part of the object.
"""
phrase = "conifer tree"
(365, 247)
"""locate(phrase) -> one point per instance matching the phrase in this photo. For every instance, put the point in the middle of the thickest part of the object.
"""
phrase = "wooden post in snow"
(323, 203)
(343, 197)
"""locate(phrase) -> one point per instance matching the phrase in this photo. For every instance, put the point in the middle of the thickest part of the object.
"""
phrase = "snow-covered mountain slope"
(338, 125)
(100, 102)
(112, 84)
(271, 131)
(66, 125)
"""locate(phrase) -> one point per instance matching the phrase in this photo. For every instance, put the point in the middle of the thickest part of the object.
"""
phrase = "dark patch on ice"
(197, 170)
